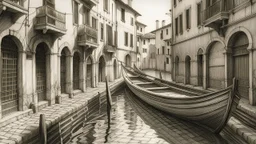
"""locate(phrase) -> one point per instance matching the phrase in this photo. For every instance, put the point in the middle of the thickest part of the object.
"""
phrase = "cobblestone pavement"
(134, 122)
(22, 129)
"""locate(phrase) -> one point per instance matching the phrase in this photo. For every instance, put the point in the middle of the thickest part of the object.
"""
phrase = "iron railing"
(88, 34)
(213, 9)
(49, 16)
(235, 3)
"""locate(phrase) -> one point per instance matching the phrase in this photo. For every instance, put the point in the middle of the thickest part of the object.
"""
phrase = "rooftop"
(140, 23)
(169, 25)
(129, 7)
(148, 36)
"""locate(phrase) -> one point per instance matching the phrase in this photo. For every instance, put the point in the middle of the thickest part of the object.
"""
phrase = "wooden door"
(9, 83)
(76, 75)
(41, 72)
(89, 73)
(241, 64)
(63, 75)
(188, 70)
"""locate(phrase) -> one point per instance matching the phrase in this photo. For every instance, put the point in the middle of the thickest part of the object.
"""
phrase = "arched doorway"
(200, 67)
(216, 66)
(89, 77)
(115, 69)
(176, 68)
(128, 60)
(187, 69)
(9, 76)
(76, 71)
(101, 69)
(63, 69)
(41, 76)
(240, 59)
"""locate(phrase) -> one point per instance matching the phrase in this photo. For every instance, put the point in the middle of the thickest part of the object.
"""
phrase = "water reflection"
(133, 121)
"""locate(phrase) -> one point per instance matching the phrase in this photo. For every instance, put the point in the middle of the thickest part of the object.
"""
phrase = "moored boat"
(211, 110)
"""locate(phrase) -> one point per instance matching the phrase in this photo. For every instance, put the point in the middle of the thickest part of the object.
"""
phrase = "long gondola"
(211, 110)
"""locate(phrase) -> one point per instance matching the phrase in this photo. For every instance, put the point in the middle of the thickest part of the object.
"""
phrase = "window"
(144, 42)
(101, 31)
(168, 51)
(158, 51)
(138, 39)
(148, 40)
(161, 35)
(109, 35)
(181, 24)
(115, 38)
(140, 29)
(131, 21)
(168, 43)
(166, 31)
(163, 50)
(174, 3)
(131, 40)
(167, 60)
(105, 4)
(188, 19)
(75, 13)
(125, 38)
(94, 23)
(123, 15)
(176, 26)
(199, 8)
(86, 16)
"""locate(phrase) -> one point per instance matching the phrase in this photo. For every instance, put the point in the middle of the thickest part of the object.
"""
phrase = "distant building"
(140, 31)
(163, 36)
(213, 41)
(148, 51)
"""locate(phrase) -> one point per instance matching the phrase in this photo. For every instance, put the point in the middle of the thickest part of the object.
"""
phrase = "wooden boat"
(210, 110)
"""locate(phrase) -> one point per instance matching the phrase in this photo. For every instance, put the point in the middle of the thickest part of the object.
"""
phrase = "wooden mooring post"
(161, 76)
(42, 130)
(109, 100)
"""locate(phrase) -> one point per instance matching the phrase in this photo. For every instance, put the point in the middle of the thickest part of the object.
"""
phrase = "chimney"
(130, 3)
(157, 24)
(163, 23)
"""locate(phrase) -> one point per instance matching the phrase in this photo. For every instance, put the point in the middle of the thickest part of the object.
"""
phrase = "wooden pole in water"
(42, 130)
(161, 77)
(109, 101)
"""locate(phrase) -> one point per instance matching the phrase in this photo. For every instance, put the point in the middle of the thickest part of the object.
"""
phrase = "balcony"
(109, 49)
(50, 20)
(214, 14)
(90, 3)
(87, 37)
(13, 6)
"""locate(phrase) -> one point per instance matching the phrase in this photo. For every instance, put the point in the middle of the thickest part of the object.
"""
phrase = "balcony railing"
(87, 36)
(48, 18)
(236, 3)
(15, 6)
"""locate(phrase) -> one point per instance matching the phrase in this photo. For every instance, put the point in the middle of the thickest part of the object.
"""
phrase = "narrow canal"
(133, 121)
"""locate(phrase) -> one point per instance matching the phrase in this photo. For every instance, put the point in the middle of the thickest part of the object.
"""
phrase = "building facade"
(50, 50)
(213, 42)
(140, 31)
(163, 36)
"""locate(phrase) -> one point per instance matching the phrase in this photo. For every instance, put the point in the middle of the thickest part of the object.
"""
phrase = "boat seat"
(157, 88)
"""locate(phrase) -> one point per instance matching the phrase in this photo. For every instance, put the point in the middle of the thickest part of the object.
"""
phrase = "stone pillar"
(23, 98)
(52, 78)
(228, 68)
(205, 72)
(59, 74)
(35, 96)
(82, 75)
(69, 80)
(252, 77)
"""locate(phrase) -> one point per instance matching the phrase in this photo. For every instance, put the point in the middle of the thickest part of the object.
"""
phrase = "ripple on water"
(133, 121)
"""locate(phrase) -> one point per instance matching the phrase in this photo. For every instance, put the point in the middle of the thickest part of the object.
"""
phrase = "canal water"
(133, 121)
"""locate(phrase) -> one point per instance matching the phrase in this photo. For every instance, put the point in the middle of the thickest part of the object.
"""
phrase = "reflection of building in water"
(130, 116)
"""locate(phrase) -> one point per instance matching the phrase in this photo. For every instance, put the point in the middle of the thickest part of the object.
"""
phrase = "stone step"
(77, 92)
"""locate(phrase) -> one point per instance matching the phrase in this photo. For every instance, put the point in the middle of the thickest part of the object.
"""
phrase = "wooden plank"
(157, 88)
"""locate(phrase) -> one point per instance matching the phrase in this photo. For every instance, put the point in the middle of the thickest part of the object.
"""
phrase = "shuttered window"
(125, 38)
(181, 24)
(101, 31)
(86, 16)
(123, 15)
(131, 40)
(176, 26)
(110, 35)
(199, 9)
(94, 23)
(188, 18)
(105, 4)
(75, 13)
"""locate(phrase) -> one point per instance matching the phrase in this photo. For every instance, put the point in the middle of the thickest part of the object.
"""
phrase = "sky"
(152, 10)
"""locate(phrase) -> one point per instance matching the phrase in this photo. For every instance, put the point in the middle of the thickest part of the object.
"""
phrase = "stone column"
(35, 96)
(59, 74)
(69, 80)
(82, 75)
(205, 71)
(252, 77)
(23, 98)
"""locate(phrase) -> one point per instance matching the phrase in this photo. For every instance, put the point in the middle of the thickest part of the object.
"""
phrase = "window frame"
(75, 13)
(123, 15)
(126, 38)
(188, 18)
